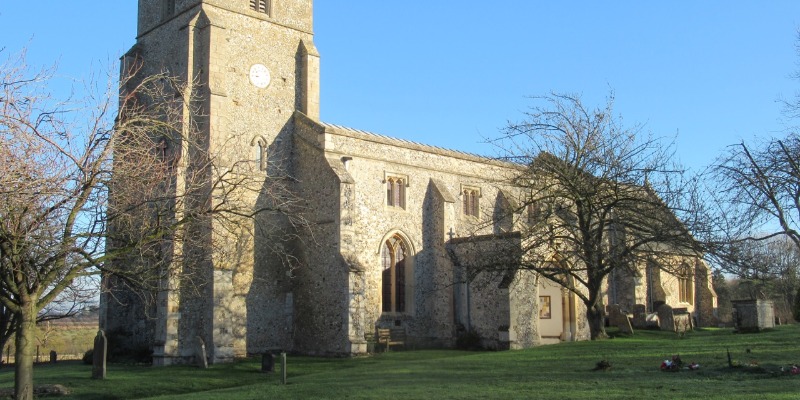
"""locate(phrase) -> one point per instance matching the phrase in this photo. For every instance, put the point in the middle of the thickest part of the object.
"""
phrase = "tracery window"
(686, 285)
(396, 192)
(393, 257)
(470, 201)
(262, 6)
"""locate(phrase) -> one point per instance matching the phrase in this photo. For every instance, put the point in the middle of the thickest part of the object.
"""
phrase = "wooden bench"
(391, 337)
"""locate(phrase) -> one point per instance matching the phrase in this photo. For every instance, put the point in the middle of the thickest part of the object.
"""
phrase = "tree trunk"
(596, 315)
(25, 342)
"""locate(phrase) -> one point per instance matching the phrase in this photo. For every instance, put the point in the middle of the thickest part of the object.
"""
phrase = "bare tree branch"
(596, 197)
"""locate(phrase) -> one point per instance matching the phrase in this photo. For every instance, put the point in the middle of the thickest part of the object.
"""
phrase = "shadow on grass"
(556, 371)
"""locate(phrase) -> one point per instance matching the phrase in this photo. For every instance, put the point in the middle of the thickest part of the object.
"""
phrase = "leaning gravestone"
(665, 318)
(624, 325)
(620, 319)
(200, 353)
(99, 356)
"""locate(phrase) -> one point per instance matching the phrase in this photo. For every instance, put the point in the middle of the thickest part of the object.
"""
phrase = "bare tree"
(49, 178)
(792, 105)
(753, 209)
(597, 197)
(756, 192)
(59, 162)
(765, 269)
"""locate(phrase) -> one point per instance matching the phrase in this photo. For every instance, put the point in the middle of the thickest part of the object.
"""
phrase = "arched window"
(260, 152)
(261, 155)
(686, 285)
(470, 200)
(167, 155)
(396, 192)
(393, 257)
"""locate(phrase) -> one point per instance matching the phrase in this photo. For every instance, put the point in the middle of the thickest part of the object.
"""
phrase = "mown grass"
(563, 371)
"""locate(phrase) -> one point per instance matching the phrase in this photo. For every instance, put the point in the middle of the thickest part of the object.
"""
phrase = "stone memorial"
(639, 316)
(99, 356)
(267, 362)
(666, 322)
(682, 321)
(753, 315)
(200, 353)
(620, 319)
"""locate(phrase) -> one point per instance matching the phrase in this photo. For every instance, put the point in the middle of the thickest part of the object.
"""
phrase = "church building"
(384, 215)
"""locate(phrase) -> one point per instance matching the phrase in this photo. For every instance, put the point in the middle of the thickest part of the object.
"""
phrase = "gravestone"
(53, 357)
(639, 316)
(200, 353)
(624, 325)
(753, 315)
(652, 320)
(613, 313)
(267, 362)
(619, 319)
(99, 356)
(683, 323)
(665, 319)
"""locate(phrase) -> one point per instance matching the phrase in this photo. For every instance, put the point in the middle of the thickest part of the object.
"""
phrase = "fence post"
(283, 368)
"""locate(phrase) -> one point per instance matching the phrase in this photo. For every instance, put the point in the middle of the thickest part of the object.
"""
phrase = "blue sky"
(428, 71)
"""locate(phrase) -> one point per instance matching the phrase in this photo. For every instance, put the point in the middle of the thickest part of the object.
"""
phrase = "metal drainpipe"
(613, 285)
(649, 273)
(469, 308)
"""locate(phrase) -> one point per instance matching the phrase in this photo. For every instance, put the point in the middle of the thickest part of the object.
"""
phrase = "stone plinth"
(753, 315)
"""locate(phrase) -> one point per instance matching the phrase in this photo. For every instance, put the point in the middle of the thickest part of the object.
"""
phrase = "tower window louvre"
(167, 9)
(261, 6)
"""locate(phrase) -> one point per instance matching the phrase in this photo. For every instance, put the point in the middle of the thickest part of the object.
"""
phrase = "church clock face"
(259, 76)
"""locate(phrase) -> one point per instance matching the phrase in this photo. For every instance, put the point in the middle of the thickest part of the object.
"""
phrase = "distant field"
(70, 339)
(563, 371)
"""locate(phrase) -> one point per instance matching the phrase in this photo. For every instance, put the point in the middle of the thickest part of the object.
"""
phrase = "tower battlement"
(295, 14)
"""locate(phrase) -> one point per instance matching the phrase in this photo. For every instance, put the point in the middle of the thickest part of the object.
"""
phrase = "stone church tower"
(254, 65)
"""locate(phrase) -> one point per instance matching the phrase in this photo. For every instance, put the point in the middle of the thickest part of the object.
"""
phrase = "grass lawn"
(563, 371)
